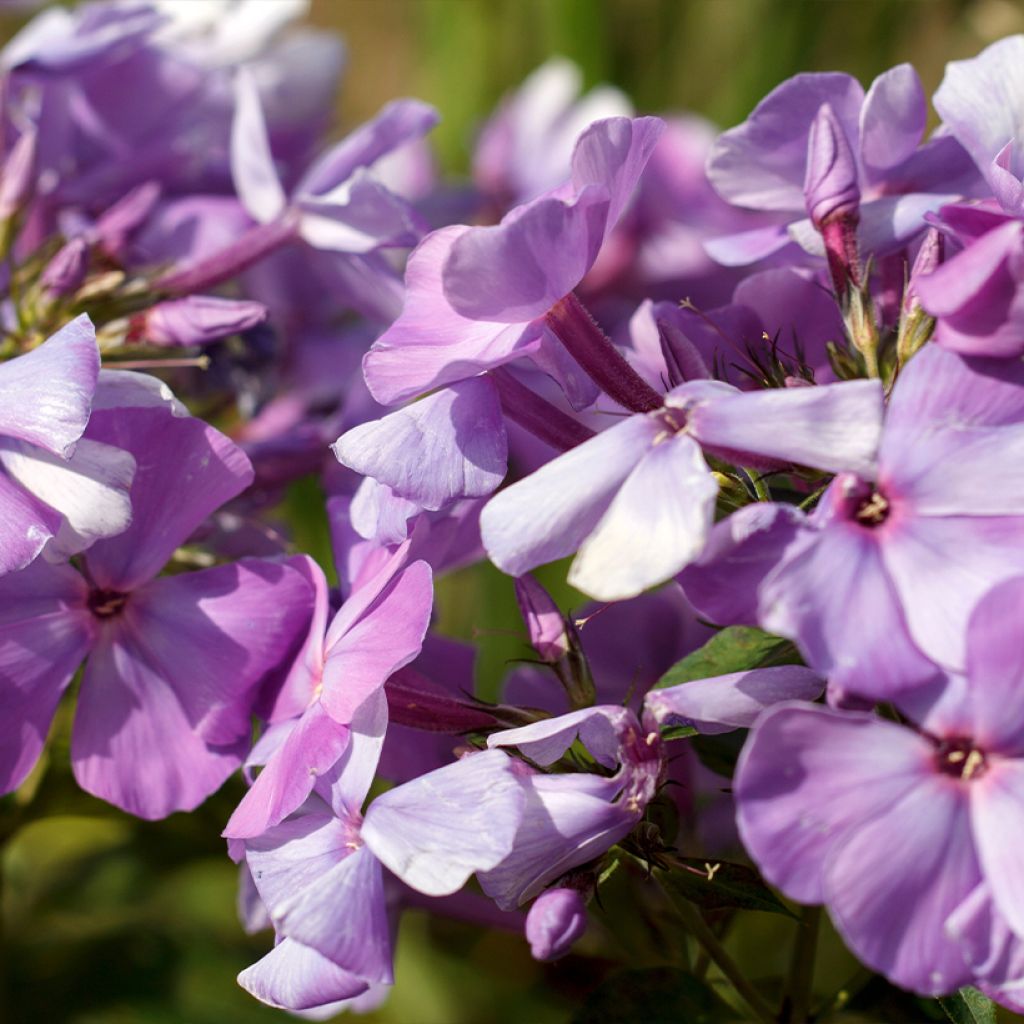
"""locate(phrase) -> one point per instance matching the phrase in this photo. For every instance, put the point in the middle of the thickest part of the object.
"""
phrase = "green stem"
(699, 929)
(797, 999)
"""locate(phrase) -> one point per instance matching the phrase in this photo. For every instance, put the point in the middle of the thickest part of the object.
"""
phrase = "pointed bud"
(830, 183)
(556, 920)
(545, 624)
(832, 196)
(194, 320)
(929, 256)
(116, 226)
(66, 271)
(17, 176)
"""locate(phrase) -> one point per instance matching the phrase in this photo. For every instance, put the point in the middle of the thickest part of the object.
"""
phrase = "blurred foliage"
(109, 920)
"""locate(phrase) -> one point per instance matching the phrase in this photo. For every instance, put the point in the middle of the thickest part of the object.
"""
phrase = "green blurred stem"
(699, 929)
(797, 999)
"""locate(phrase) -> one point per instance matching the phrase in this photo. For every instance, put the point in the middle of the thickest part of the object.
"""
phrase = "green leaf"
(656, 995)
(969, 1006)
(735, 649)
(717, 884)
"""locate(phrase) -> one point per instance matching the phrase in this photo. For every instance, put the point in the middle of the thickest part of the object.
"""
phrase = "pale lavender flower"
(908, 833)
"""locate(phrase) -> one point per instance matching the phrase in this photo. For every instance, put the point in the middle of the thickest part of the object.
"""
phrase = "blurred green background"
(108, 920)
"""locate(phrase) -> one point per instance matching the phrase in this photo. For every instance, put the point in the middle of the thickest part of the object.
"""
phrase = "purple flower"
(337, 203)
(763, 163)
(878, 582)
(476, 296)
(894, 827)
(378, 630)
(643, 486)
(320, 875)
(571, 818)
(174, 662)
(59, 491)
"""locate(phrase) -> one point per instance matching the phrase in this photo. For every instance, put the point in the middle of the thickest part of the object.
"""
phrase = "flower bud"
(832, 196)
(545, 624)
(67, 269)
(194, 320)
(916, 325)
(556, 920)
(929, 256)
(17, 175)
(831, 191)
(116, 226)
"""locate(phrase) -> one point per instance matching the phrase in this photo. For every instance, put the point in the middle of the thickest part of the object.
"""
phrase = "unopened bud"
(556, 920)
(832, 196)
(545, 624)
(929, 256)
(17, 175)
(66, 271)
(917, 325)
(116, 226)
(194, 320)
(831, 191)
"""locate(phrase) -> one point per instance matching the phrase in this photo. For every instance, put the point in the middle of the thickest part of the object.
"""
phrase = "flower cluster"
(764, 388)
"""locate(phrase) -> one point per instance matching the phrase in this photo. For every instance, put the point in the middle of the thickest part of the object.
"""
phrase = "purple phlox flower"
(571, 818)
(59, 490)
(977, 296)
(980, 101)
(337, 203)
(320, 875)
(194, 320)
(763, 163)
(379, 629)
(878, 581)
(908, 833)
(644, 487)
(526, 147)
(174, 662)
(476, 297)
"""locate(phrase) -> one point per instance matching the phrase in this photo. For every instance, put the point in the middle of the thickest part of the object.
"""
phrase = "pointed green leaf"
(735, 649)
(969, 1006)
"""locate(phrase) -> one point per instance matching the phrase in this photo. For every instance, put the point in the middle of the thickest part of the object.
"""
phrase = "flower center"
(873, 510)
(105, 604)
(959, 757)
